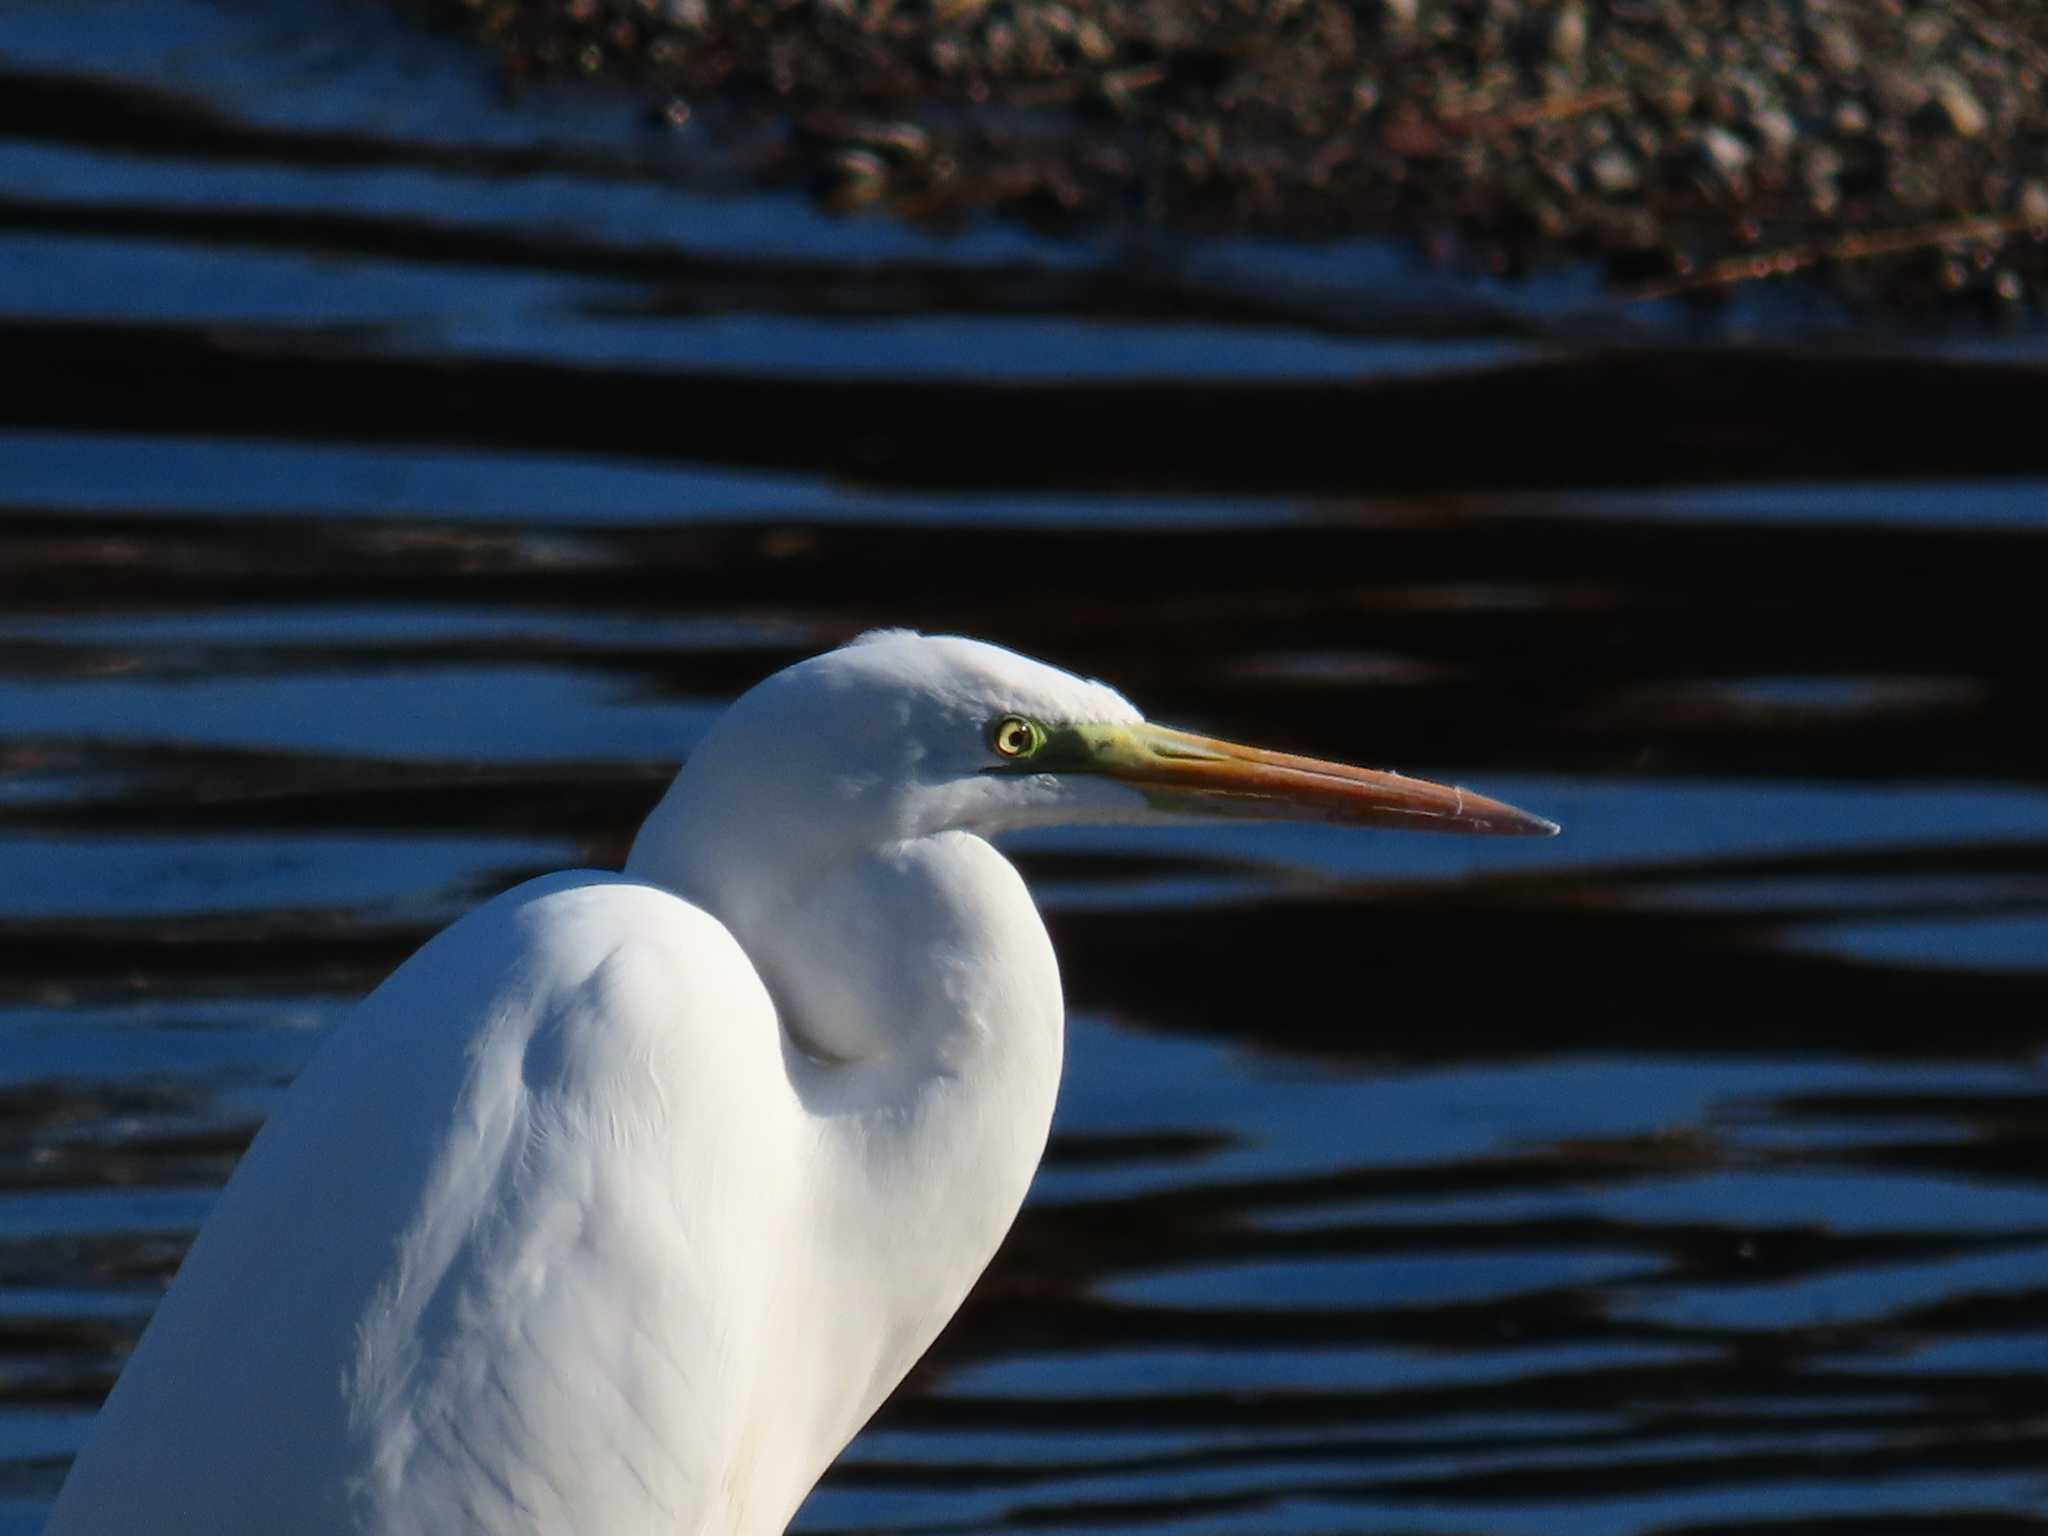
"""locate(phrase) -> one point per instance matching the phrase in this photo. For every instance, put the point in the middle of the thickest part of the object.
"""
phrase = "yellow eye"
(1015, 736)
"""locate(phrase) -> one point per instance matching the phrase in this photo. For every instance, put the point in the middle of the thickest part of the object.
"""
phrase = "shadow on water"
(389, 497)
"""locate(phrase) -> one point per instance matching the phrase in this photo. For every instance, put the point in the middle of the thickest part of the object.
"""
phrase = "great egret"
(622, 1204)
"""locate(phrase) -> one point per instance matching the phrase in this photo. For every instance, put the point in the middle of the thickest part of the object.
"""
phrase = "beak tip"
(1512, 821)
(1503, 820)
(1538, 826)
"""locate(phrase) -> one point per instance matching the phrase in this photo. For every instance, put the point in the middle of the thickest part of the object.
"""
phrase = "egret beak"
(1183, 772)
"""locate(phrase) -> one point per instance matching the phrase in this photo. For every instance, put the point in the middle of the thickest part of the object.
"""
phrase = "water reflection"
(1682, 1175)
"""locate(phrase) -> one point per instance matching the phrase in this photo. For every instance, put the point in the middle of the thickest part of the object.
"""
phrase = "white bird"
(624, 1203)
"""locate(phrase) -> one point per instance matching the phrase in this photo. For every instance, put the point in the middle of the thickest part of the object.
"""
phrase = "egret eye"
(1015, 736)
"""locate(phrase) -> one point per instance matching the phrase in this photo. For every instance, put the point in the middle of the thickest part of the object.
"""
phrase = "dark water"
(393, 483)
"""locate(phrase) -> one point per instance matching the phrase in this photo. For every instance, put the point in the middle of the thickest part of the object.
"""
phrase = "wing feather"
(486, 1268)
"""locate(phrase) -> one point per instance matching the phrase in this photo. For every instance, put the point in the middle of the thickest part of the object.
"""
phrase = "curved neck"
(908, 951)
(923, 1036)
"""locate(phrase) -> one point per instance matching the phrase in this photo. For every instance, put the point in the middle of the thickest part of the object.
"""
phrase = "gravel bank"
(1895, 154)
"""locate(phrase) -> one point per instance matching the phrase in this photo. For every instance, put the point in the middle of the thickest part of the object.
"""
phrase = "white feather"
(568, 1229)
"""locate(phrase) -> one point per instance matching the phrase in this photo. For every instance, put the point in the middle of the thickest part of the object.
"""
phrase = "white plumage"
(622, 1204)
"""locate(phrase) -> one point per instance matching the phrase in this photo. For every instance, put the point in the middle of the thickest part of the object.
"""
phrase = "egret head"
(899, 735)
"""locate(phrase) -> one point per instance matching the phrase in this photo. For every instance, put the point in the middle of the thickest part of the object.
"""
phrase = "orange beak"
(1188, 773)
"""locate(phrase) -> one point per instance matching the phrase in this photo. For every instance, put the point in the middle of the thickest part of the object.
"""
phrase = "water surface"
(395, 480)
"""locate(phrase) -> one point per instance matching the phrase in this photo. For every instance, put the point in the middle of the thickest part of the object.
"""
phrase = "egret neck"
(919, 999)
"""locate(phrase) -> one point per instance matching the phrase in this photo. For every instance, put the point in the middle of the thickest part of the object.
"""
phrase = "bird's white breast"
(562, 1232)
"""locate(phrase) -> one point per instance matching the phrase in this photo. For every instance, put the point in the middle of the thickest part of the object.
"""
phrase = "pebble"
(1821, 165)
(1956, 104)
(1836, 51)
(858, 179)
(1614, 172)
(1568, 36)
(1096, 45)
(1728, 154)
(1775, 130)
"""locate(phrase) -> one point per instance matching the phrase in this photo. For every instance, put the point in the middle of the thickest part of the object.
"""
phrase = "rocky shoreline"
(1892, 154)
